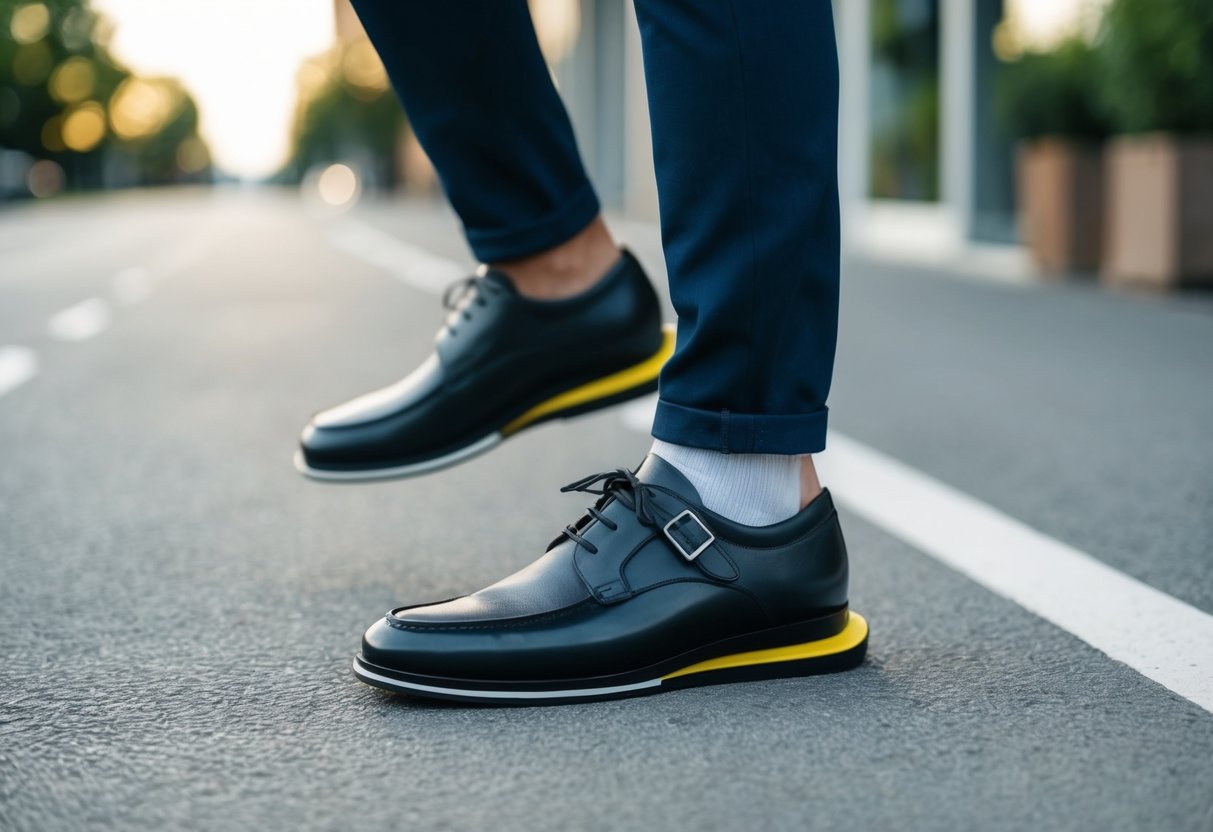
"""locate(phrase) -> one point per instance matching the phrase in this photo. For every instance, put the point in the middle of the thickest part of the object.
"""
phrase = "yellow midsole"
(851, 636)
(600, 388)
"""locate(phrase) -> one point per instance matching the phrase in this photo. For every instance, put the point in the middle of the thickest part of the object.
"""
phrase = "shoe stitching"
(398, 624)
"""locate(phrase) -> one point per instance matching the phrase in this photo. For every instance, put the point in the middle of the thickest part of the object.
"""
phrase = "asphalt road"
(178, 608)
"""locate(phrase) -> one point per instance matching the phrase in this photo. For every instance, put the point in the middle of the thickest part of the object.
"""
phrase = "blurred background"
(214, 221)
(999, 135)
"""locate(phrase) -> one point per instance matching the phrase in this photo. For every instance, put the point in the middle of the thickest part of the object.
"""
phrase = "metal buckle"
(689, 556)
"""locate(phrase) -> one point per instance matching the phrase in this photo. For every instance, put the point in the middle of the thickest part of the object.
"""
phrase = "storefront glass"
(904, 100)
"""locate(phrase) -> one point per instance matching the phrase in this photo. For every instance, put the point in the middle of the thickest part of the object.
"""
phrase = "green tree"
(345, 111)
(1156, 65)
(57, 94)
(1052, 94)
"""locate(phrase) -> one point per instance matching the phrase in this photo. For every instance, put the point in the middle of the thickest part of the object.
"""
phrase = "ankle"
(567, 269)
(751, 489)
(810, 486)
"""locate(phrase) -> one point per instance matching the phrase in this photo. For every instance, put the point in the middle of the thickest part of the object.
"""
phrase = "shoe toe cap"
(319, 443)
(379, 425)
(402, 649)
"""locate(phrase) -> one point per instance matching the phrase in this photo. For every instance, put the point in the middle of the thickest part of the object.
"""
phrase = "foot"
(503, 362)
(648, 592)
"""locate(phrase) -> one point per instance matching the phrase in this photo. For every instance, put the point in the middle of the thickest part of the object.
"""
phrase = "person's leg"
(747, 177)
(558, 322)
(696, 568)
(480, 99)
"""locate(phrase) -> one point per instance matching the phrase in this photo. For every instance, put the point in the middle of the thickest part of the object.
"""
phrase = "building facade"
(925, 168)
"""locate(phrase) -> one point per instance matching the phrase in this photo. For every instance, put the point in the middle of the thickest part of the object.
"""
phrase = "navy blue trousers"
(743, 99)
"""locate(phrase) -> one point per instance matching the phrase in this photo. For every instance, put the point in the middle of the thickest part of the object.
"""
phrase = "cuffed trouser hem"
(740, 433)
(491, 245)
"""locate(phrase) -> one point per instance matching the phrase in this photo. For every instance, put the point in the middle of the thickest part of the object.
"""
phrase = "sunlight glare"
(238, 59)
(30, 22)
(337, 185)
(84, 127)
(73, 80)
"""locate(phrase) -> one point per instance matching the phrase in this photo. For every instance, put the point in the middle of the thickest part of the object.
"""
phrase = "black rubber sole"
(843, 650)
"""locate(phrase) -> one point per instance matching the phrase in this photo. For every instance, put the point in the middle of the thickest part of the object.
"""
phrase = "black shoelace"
(462, 295)
(620, 484)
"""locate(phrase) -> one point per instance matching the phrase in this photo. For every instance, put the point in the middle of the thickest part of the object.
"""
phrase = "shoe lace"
(620, 484)
(463, 294)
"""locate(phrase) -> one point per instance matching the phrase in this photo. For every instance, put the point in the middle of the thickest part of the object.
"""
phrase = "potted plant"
(1045, 101)
(1156, 85)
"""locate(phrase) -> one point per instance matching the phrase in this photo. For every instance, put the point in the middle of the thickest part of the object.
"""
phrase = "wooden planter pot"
(1060, 185)
(1159, 219)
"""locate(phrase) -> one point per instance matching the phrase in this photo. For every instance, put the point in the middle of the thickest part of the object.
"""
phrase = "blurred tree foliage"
(1156, 65)
(1052, 94)
(64, 98)
(346, 112)
(1150, 67)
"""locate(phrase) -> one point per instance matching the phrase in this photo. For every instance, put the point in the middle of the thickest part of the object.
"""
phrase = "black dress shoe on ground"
(648, 592)
(502, 363)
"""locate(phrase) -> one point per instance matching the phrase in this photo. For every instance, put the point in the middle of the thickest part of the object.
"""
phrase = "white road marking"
(1159, 636)
(638, 414)
(90, 317)
(410, 264)
(17, 366)
(135, 283)
(185, 254)
(131, 285)
(80, 322)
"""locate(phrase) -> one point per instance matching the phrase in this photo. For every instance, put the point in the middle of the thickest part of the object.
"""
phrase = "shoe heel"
(618, 387)
(843, 651)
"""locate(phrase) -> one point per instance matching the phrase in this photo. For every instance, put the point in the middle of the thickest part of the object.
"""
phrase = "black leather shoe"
(502, 363)
(648, 592)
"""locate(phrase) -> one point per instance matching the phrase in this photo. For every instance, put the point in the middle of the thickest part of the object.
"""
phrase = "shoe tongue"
(656, 471)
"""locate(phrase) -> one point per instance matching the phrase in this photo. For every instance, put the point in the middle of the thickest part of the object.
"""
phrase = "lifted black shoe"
(502, 363)
(648, 592)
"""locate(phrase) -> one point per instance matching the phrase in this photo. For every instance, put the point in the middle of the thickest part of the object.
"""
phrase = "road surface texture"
(179, 608)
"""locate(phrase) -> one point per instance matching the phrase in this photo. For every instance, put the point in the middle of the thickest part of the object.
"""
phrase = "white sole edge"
(363, 673)
(467, 452)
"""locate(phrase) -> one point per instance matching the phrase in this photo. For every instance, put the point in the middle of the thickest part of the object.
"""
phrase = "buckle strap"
(668, 522)
(692, 539)
(688, 534)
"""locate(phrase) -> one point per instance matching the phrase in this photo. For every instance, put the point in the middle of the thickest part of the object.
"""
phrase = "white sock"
(753, 489)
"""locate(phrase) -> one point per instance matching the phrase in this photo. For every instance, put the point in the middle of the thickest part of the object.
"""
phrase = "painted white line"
(184, 255)
(131, 285)
(135, 283)
(1157, 635)
(410, 264)
(1160, 637)
(638, 414)
(80, 322)
(17, 366)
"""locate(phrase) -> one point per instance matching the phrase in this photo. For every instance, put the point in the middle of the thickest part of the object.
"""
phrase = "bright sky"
(1042, 22)
(238, 58)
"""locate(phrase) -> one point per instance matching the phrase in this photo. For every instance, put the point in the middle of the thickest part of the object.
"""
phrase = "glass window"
(904, 100)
